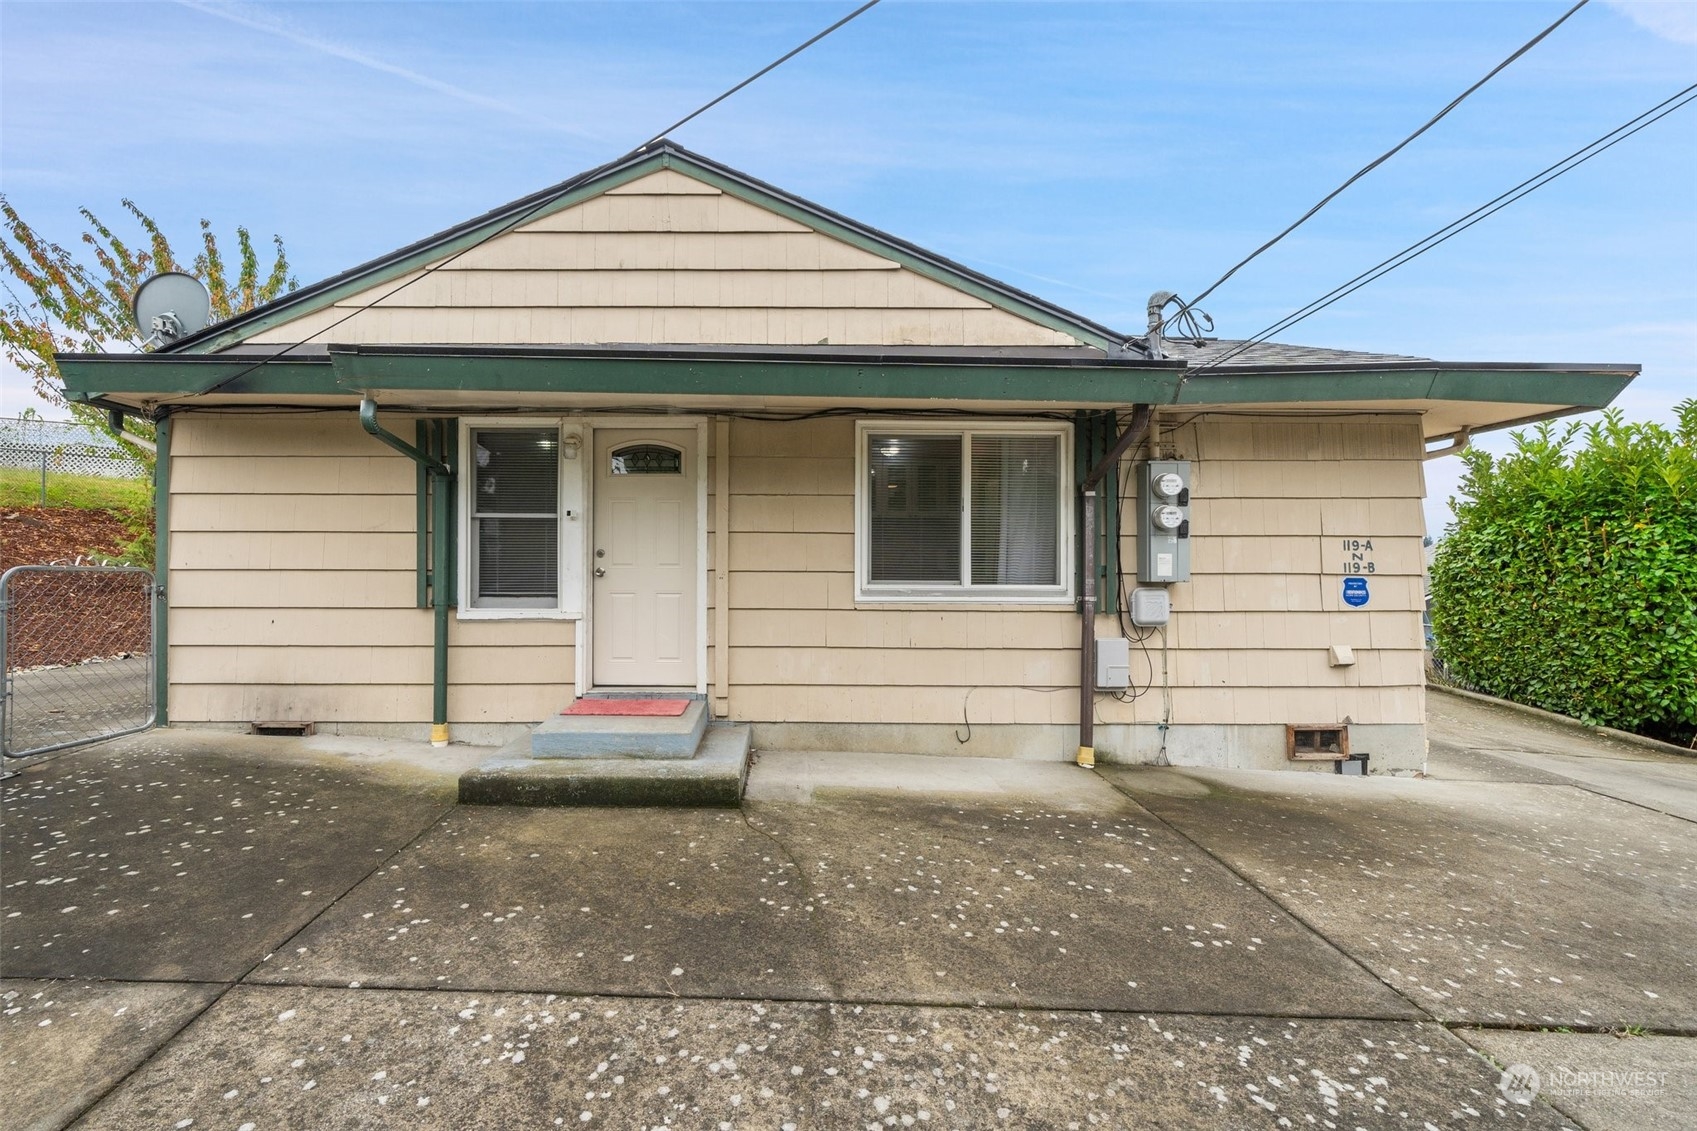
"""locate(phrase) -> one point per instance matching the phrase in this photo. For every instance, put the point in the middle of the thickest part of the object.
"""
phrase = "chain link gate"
(78, 648)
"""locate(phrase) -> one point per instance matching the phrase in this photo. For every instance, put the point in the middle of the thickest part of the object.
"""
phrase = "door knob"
(599, 572)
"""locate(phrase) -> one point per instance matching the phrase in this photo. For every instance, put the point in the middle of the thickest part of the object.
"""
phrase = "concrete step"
(622, 736)
(714, 778)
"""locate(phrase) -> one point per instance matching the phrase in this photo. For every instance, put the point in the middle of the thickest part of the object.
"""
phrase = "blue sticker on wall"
(1355, 591)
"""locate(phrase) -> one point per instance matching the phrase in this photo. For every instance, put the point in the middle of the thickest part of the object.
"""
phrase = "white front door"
(642, 563)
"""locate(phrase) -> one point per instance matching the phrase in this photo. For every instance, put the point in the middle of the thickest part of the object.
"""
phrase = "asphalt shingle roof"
(1272, 353)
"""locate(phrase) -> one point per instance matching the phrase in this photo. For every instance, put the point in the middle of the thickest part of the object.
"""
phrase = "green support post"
(422, 434)
(161, 571)
(447, 451)
(442, 487)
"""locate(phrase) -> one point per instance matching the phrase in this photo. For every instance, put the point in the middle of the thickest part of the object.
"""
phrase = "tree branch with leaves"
(59, 302)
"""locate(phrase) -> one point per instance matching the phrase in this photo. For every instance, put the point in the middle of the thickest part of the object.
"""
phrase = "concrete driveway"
(53, 706)
(212, 931)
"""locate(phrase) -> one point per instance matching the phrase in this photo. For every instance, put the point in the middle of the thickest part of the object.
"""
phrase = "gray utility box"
(1151, 608)
(1163, 520)
(1113, 662)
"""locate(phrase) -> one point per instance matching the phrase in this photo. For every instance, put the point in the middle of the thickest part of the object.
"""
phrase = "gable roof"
(663, 155)
(1049, 358)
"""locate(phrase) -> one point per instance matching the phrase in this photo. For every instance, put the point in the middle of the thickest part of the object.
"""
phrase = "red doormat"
(663, 707)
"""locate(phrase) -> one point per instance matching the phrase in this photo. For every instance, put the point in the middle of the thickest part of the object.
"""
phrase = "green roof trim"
(348, 371)
(364, 368)
(1578, 388)
(348, 374)
(88, 376)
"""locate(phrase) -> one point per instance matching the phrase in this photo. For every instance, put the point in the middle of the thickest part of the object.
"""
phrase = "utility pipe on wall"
(1134, 431)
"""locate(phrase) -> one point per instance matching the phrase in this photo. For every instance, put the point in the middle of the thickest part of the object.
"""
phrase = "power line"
(1455, 227)
(772, 66)
(1386, 156)
(546, 200)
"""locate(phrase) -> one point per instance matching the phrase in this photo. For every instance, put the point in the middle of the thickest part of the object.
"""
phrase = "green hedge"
(1569, 580)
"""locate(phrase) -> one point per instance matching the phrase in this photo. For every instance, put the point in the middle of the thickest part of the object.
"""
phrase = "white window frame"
(965, 593)
(569, 513)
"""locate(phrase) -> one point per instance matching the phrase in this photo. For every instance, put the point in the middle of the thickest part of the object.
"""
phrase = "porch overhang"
(1452, 397)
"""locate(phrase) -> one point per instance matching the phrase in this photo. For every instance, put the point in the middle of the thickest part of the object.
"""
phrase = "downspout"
(1134, 432)
(115, 417)
(368, 421)
(439, 479)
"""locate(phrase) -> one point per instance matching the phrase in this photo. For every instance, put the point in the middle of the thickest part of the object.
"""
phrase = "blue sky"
(1092, 153)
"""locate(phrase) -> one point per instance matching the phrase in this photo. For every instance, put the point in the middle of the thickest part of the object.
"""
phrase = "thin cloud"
(1665, 19)
(258, 20)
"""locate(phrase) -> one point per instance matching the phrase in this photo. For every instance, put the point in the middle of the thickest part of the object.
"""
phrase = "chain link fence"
(78, 647)
(57, 448)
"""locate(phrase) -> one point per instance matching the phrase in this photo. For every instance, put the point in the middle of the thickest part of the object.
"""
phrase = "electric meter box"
(1163, 514)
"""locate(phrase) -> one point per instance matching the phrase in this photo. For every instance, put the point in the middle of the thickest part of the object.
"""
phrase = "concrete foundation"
(460, 734)
(1392, 747)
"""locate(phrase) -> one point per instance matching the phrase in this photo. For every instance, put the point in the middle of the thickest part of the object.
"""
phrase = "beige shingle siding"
(293, 580)
(1272, 501)
(666, 259)
(1249, 633)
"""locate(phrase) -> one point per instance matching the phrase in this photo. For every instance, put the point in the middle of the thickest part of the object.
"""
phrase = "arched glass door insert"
(647, 459)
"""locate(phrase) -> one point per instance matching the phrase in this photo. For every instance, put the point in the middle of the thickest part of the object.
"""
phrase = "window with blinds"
(515, 491)
(963, 512)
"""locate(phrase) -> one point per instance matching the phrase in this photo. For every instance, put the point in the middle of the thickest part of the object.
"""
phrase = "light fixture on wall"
(569, 444)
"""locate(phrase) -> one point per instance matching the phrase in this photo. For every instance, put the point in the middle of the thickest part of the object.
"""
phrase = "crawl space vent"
(283, 729)
(1324, 743)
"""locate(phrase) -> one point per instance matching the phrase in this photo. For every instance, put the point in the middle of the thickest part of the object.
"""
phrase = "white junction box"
(1113, 662)
(1150, 608)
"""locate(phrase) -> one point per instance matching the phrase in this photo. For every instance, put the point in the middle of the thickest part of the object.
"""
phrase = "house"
(666, 426)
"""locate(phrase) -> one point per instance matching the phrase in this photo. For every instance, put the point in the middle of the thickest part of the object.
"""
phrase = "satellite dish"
(169, 306)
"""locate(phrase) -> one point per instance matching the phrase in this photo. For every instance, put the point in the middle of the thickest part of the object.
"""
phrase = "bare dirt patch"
(59, 535)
